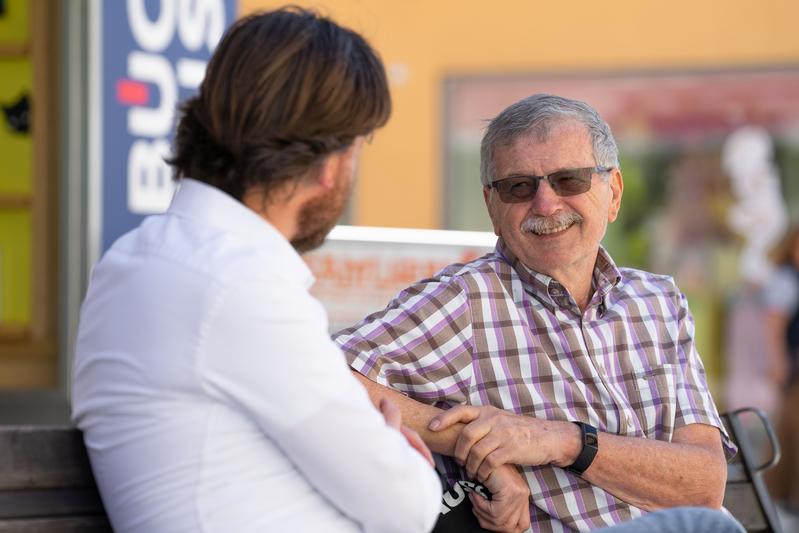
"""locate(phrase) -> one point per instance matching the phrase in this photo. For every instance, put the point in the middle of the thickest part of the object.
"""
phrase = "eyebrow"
(528, 175)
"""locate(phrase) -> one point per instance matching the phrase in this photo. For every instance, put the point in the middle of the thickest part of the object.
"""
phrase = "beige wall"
(424, 42)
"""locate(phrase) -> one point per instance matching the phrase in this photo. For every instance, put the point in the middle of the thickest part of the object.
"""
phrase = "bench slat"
(49, 502)
(79, 524)
(36, 457)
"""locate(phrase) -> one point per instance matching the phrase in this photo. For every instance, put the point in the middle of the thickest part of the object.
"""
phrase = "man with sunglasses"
(549, 357)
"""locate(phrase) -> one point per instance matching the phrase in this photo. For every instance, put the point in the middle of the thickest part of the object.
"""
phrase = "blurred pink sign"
(360, 269)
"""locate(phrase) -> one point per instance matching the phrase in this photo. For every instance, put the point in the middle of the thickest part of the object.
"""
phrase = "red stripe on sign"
(132, 92)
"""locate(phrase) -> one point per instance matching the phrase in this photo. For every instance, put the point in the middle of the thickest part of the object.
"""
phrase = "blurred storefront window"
(671, 129)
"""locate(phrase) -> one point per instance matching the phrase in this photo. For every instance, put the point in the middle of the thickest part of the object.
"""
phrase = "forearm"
(652, 474)
(415, 415)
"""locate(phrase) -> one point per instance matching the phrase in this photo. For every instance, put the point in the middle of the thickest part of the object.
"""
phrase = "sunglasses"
(567, 182)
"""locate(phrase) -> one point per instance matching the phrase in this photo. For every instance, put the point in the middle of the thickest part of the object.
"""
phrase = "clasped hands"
(489, 446)
(493, 437)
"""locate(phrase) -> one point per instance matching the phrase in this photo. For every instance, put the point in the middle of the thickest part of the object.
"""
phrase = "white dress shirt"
(211, 397)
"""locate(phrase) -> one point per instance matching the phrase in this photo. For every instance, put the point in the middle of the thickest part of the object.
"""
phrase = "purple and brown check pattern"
(492, 332)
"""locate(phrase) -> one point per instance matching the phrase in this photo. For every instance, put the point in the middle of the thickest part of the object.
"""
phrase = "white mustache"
(540, 225)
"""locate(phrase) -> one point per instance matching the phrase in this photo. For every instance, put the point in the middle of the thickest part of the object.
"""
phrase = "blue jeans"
(679, 520)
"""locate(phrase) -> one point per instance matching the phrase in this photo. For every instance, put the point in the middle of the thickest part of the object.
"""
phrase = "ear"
(616, 190)
(487, 199)
(333, 165)
(328, 169)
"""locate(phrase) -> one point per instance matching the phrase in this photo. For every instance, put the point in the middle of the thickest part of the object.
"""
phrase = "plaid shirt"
(493, 332)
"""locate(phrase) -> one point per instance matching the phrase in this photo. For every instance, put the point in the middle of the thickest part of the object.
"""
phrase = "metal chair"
(746, 496)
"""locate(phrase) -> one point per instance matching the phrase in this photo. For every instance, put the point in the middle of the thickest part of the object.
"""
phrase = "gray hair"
(537, 114)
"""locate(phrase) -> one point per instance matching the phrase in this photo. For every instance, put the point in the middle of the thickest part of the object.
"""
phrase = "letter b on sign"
(150, 185)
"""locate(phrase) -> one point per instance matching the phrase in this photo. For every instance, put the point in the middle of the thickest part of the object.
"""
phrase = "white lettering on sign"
(153, 121)
(196, 23)
(200, 22)
(152, 36)
(191, 72)
(149, 176)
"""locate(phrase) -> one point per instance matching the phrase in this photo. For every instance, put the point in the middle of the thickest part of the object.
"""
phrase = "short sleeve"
(420, 344)
(695, 404)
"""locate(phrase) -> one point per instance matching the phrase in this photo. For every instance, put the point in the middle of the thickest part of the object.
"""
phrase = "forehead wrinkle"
(515, 170)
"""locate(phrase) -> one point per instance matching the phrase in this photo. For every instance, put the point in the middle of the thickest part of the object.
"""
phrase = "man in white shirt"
(209, 393)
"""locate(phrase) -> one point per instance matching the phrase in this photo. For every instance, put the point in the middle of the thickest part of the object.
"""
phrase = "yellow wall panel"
(14, 23)
(15, 266)
(15, 148)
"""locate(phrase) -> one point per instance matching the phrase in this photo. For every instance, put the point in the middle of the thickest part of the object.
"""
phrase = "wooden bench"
(46, 482)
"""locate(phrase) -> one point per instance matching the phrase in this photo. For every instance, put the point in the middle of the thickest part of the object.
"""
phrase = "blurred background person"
(759, 217)
(781, 301)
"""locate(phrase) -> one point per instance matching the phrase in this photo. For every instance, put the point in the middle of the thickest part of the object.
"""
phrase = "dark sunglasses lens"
(571, 182)
(515, 190)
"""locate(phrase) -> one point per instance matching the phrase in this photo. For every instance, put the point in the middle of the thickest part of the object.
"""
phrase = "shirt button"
(629, 420)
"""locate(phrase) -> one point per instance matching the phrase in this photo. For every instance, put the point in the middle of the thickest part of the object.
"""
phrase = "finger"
(480, 502)
(391, 413)
(523, 516)
(459, 413)
(469, 436)
(491, 462)
(489, 520)
(520, 518)
(418, 444)
(492, 511)
(524, 519)
(486, 521)
(479, 453)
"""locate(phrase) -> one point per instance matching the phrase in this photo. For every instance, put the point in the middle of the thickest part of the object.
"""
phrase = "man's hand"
(509, 509)
(493, 437)
(393, 417)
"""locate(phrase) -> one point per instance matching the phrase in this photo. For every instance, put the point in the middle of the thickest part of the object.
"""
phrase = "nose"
(545, 202)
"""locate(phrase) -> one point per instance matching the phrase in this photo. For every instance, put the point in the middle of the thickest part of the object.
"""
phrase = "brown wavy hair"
(283, 89)
(784, 252)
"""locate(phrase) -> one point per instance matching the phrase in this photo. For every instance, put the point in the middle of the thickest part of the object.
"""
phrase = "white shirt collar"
(209, 206)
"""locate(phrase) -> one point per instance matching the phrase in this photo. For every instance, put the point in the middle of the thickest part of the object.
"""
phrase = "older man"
(584, 374)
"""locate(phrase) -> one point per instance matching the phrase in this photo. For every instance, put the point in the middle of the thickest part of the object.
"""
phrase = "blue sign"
(153, 56)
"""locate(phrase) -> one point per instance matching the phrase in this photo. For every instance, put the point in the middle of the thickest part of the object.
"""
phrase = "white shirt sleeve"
(267, 352)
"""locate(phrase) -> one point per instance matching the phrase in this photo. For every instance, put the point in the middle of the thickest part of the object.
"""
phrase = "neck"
(581, 290)
(280, 214)
(578, 280)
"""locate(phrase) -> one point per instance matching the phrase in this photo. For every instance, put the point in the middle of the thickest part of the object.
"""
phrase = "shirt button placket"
(630, 429)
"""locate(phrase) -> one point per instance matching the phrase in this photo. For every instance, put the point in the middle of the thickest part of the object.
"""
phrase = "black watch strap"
(590, 440)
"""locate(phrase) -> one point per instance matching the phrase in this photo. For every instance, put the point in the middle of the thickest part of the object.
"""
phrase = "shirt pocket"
(655, 400)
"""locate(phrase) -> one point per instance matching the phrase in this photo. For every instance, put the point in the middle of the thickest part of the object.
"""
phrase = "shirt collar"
(606, 276)
(208, 206)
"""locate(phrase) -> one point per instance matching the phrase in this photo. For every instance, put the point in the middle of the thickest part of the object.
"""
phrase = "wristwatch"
(590, 440)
